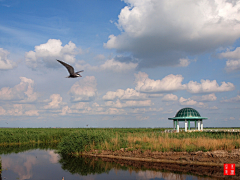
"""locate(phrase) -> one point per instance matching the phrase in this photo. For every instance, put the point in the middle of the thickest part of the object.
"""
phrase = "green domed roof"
(187, 112)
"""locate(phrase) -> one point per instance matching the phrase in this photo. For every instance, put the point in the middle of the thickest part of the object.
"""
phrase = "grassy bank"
(13, 136)
(154, 141)
(71, 140)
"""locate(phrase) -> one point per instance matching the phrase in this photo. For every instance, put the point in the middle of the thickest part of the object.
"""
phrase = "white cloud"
(192, 26)
(208, 97)
(23, 91)
(2, 111)
(109, 65)
(232, 65)
(183, 62)
(20, 110)
(115, 111)
(84, 90)
(117, 66)
(119, 104)
(170, 97)
(187, 102)
(234, 99)
(231, 54)
(168, 83)
(207, 86)
(32, 113)
(233, 62)
(213, 108)
(128, 94)
(17, 110)
(5, 63)
(48, 53)
(191, 102)
(174, 82)
(55, 102)
(65, 110)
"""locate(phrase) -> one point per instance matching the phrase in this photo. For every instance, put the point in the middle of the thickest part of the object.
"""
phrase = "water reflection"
(44, 163)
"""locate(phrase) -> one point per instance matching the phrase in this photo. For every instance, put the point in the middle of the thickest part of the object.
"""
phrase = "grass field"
(85, 139)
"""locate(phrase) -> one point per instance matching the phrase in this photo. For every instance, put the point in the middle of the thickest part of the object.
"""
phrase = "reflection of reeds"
(0, 165)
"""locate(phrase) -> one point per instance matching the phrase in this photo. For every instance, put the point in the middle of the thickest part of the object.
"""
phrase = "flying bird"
(71, 70)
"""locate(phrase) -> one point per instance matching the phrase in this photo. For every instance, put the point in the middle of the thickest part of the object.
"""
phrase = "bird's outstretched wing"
(79, 71)
(69, 68)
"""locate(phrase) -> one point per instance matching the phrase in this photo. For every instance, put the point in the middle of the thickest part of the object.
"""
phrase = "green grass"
(48, 135)
(76, 140)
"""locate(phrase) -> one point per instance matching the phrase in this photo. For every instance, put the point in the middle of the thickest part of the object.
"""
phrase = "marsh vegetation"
(77, 140)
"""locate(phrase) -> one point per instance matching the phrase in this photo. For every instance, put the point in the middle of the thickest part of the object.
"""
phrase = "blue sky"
(142, 60)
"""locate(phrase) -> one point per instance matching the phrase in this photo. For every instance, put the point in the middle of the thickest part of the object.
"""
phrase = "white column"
(177, 126)
(173, 125)
(185, 125)
(198, 125)
(201, 125)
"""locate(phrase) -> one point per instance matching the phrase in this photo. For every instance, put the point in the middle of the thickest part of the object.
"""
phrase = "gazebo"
(187, 115)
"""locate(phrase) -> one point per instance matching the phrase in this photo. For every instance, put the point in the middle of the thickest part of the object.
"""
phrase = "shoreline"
(214, 158)
(214, 172)
(211, 168)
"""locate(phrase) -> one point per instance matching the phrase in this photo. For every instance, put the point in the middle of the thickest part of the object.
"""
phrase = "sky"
(143, 61)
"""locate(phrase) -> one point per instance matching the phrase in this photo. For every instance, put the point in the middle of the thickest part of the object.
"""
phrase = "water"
(45, 164)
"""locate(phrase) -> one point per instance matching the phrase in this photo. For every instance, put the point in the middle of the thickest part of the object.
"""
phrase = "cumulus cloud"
(84, 90)
(183, 62)
(168, 83)
(115, 111)
(234, 99)
(128, 94)
(65, 110)
(47, 53)
(208, 97)
(119, 104)
(109, 65)
(207, 86)
(117, 66)
(2, 111)
(5, 63)
(188, 102)
(170, 97)
(23, 91)
(174, 82)
(19, 110)
(159, 32)
(231, 54)
(191, 102)
(32, 113)
(16, 110)
(55, 102)
(233, 62)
